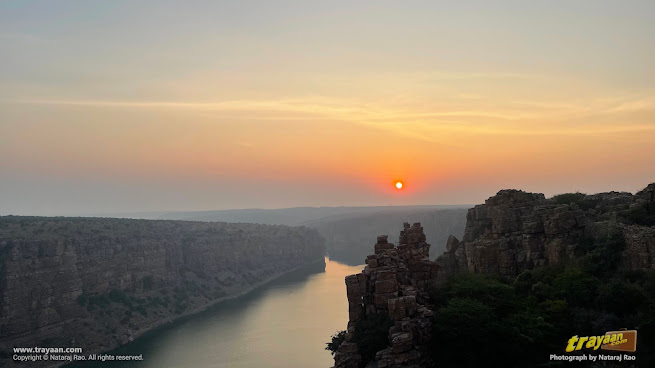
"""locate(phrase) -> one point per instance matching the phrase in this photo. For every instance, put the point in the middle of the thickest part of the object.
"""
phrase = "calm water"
(284, 324)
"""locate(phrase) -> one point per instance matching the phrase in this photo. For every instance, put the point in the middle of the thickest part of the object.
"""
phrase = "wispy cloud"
(333, 108)
(643, 104)
(421, 122)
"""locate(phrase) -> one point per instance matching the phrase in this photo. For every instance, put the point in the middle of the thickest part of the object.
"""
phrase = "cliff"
(514, 231)
(346, 230)
(392, 315)
(97, 283)
(394, 285)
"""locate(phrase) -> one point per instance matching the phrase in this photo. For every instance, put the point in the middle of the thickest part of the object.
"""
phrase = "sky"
(127, 106)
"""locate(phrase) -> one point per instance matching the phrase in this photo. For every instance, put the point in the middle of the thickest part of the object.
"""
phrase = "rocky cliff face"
(346, 230)
(515, 230)
(394, 284)
(98, 283)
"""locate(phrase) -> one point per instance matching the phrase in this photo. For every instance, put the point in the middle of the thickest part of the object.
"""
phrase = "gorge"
(99, 283)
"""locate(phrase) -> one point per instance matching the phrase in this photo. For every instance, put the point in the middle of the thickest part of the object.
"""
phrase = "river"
(283, 324)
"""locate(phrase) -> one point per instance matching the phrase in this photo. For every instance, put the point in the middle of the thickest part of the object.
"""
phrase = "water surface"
(284, 324)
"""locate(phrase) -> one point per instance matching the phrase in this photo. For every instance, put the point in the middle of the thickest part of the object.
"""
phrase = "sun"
(399, 185)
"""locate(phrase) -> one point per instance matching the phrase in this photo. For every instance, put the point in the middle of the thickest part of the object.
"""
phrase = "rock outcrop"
(639, 250)
(98, 283)
(515, 230)
(394, 283)
(511, 232)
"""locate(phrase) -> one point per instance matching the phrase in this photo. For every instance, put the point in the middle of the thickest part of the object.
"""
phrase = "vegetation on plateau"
(494, 321)
(583, 201)
(637, 214)
(484, 320)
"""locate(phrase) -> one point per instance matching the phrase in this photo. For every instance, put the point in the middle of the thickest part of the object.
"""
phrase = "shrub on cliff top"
(582, 200)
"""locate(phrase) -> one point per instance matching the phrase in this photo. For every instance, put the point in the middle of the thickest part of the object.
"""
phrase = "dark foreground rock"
(394, 284)
(512, 232)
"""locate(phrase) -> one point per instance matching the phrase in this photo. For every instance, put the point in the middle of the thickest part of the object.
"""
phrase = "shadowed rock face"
(98, 283)
(395, 283)
(639, 248)
(512, 231)
(515, 230)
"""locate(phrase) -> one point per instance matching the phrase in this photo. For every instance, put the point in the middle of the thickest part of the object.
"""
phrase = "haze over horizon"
(119, 107)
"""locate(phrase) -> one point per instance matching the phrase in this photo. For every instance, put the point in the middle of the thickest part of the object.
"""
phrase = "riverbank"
(207, 306)
(282, 324)
(97, 283)
(154, 328)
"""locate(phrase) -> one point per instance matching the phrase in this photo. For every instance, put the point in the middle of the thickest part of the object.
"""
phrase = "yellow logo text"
(594, 342)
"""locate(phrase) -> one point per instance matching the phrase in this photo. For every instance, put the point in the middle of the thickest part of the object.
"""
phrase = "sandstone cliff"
(97, 283)
(394, 284)
(515, 230)
(346, 230)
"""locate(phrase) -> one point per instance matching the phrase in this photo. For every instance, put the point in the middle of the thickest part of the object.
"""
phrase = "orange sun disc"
(399, 185)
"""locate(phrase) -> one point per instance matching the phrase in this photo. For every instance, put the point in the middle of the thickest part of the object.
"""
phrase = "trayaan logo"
(612, 340)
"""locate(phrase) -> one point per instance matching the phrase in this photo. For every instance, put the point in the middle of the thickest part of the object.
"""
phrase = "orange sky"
(294, 108)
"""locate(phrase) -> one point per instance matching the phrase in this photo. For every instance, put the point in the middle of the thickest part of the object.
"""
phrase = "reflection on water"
(284, 324)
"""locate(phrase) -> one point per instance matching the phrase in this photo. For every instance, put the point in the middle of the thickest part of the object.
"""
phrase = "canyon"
(346, 229)
(99, 283)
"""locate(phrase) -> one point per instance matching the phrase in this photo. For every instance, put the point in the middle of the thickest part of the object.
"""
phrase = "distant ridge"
(293, 216)
(345, 229)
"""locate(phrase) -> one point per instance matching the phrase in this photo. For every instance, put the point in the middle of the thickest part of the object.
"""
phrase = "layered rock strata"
(97, 283)
(514, 230)
(394, 283)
